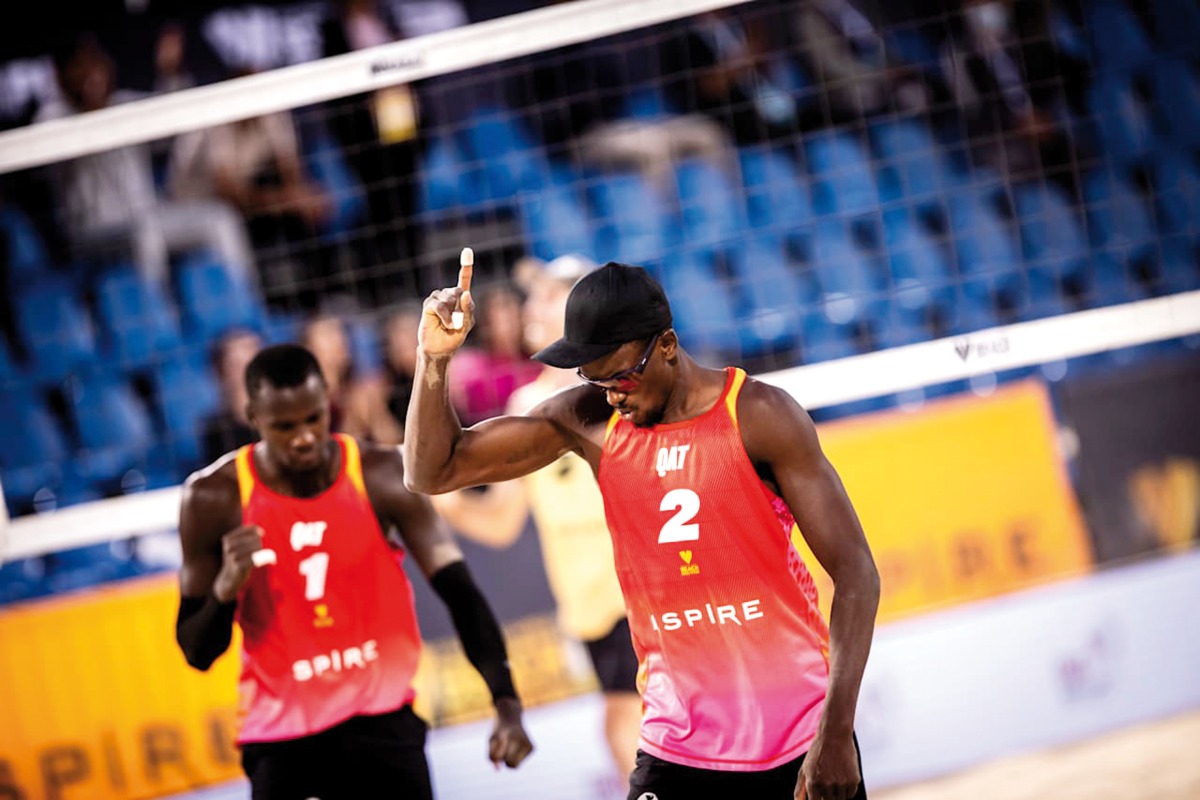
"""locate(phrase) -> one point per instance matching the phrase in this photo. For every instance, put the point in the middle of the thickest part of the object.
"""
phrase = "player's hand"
(238, 548)
(830, 770)
(509, 744)
(449, 313)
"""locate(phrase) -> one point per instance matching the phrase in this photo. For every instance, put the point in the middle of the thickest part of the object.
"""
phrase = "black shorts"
(363, 757)
(655, 779)
(613, 659)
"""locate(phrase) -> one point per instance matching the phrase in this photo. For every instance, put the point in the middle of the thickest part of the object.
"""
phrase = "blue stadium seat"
(212, 300)
(33, 447)
(1177, 96)
(914, 165)
(23, 579)
(115, 434)
(1176, 27)
(186, 393)
(1124, 126)
(711, 214)
(921, 276)
(500, 155)
(91, 565)
(777, 199)
(1052, 239)
(138, 323)
(974, 309)
(775, 295)
(826, 340)
(56, 329)
(705, 314)
(328, 166)
(845, 181)
(442, 177)
(27, 257)
(1122, 234)
(1118, 41)
(632, 224)
(1177, 191)
(555, 221)
(849, 287)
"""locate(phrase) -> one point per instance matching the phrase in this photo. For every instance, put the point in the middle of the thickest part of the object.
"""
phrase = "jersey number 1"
(314, 569)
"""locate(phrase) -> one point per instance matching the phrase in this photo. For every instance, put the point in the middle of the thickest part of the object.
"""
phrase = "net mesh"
(809, 181)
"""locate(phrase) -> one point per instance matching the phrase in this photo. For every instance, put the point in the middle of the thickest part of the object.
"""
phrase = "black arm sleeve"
(203, 629)
(477, 627)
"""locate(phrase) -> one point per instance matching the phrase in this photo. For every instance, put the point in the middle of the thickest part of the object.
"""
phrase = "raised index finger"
(466, 267)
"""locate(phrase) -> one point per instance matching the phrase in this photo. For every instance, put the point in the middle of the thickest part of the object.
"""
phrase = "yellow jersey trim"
(612, 423)
(731, 398)
(245, 475)
(353, 465)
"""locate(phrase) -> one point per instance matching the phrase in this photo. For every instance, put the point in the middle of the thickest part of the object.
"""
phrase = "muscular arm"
(782, 441)
(440, 456)
(204, 625)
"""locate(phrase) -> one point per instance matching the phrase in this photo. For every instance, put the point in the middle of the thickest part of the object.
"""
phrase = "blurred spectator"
(845, 56)
(400, 356)
(594, 125)
(358, 399)
(380, 132)
(109, 200)
(484, 376)
(729, 66)
(228, 428)
(256, 166)
(1013, 87)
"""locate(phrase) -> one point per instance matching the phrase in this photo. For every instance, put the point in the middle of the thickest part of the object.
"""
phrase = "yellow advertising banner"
(97, 702)
(961, 500)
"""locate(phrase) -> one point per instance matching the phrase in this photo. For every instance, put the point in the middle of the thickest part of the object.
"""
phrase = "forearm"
(851, 629)
(431, 428)
(203, 629)
(478, 630)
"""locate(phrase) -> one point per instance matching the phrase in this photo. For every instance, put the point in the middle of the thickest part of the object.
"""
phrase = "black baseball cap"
(607, 308)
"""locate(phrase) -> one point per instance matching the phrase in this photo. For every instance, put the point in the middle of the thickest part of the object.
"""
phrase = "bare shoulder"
(770, 418)
(211, 500)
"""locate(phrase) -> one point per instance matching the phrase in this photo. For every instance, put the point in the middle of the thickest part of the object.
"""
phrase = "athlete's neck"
(306, 483)
(695, 390)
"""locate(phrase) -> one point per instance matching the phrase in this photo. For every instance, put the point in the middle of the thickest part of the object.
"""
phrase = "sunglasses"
(626, 379)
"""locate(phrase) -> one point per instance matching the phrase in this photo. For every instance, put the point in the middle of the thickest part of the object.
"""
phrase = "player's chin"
(307, 462)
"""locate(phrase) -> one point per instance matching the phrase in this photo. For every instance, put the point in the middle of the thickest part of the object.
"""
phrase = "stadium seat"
(33, 448)
(1122, 123)
(1177, 100)
(500, 155)
(555, 222)
(1053, 242)
(1122, 236)
(1118, 42)
(849, 288)
(115, 434)
(632, 223)
(23, 579)
(328, 166)
(91, 565)
(845, 181)
(1177, 191)
(212, 300)
(775, 295)
(56, 329)
(826, 340)
(705, 314)
(914, 166)
(186, 393)
(920, 275)
(710, 212)
(1176, 27)
(138, 323)
(777, 198)
(27, 256)
(442, 176)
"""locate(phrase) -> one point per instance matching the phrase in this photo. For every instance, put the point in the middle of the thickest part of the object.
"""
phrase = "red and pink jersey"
(732, 645)
(329, 630)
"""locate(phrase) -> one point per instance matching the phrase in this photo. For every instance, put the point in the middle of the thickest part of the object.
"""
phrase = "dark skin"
(779, 437)
(297, 457)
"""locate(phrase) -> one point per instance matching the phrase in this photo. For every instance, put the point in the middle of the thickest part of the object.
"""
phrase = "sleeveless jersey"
(731, 643)
(568, 513)
(329, 630)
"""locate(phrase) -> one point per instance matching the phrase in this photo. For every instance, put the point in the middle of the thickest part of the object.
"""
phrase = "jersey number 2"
(680, 527)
